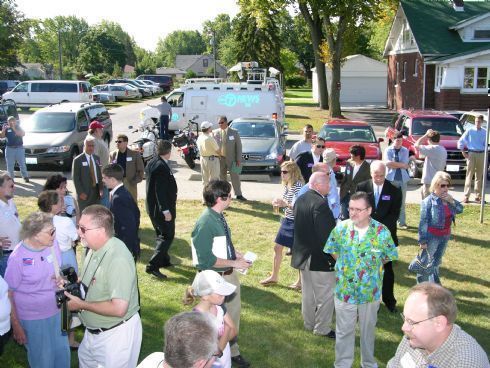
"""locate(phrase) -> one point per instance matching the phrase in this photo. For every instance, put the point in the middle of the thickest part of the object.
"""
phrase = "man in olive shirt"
(110, 310)
(212, 249)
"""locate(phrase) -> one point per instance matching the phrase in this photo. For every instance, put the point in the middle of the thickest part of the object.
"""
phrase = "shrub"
(295, 81)
(190, 74)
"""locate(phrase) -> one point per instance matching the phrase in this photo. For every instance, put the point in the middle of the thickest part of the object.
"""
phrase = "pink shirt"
(30, 275)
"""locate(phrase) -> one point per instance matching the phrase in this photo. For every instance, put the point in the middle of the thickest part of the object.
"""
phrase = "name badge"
(49, 258)
(129, 159)
(385, 197)
(84, 163)
(310, 165)
(231, 138)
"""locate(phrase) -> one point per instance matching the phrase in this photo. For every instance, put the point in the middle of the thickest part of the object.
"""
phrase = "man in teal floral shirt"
(361, 246)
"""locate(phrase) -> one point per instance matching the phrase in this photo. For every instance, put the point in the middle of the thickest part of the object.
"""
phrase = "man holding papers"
(212, 249)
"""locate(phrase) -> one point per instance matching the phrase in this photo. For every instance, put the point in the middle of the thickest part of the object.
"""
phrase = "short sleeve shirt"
(435, 160)
(207, 145)
(359, 267)
(109, 273)
(9, 222)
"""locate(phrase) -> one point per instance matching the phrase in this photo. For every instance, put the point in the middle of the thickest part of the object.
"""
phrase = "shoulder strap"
(56, 265)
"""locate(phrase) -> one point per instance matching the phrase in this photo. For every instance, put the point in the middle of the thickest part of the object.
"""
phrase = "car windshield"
(255, 130)
(50, 122)
(445, 126)
(347, 133)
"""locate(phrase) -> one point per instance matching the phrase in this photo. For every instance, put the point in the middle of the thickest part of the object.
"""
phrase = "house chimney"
(458, 5)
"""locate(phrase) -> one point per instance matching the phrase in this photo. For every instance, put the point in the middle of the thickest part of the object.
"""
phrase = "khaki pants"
(133, 189)
(225, 166)
(474, 168)
(210, 168)
(425, 190)
(233, 306)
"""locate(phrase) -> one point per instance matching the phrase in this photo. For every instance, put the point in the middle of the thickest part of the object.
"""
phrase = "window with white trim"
(476, 78)
(404, 71)
(416, 68)
(397, 68)
(481, 34)
(439, 73)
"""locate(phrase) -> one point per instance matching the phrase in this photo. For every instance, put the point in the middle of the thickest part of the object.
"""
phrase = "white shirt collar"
(115, 188)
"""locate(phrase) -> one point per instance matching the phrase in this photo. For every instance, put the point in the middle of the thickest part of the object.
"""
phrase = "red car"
(415, 123)
(341, 134)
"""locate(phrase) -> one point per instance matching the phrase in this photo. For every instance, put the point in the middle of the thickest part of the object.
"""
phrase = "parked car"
(144, 86)
(39, 93)
(263, 144)
(456, 113)
(103, 97)
(143, 90)
(341, 134)
(7, 108)
(164, 81)
(415, 123)
(119, 91)
(468, 118)
(7, 85)
(55, 134)
(152, 85)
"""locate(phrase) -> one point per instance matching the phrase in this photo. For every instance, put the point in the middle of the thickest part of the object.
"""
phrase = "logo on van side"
(232, 99)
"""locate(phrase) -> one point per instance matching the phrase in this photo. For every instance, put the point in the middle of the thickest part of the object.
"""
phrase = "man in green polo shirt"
(110, 309)
(212, 249)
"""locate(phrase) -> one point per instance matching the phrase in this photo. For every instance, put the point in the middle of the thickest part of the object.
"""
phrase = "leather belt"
(229, 271)
(97, 331)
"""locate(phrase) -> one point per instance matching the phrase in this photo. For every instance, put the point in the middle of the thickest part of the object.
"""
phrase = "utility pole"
(214, 53)
(59, 53)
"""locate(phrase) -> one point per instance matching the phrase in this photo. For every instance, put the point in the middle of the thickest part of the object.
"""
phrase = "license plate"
(452, 168)
(31, 160)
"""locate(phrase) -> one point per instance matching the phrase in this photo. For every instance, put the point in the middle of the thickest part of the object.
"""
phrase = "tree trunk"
(334, 97)
(315, 26)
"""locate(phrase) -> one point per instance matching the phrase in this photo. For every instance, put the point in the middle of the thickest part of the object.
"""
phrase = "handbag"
(422, 265)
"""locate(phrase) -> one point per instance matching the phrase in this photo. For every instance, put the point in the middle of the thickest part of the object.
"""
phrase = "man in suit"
(386, 201)
(230, 146)
(124, 209)
(356, 171)
(161, 200)
(86, 175)
(132, 165)
(313, 222)
(307, 159)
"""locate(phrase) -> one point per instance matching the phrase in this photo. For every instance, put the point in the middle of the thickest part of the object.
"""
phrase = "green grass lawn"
(301, 110)
(271, 330)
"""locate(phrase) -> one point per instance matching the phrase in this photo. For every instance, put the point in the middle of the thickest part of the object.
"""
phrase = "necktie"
(229, 245)
(91, 169)
(376, 196)
(223, 142)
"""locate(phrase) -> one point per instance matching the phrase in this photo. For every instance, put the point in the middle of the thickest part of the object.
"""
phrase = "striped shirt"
(288, 195)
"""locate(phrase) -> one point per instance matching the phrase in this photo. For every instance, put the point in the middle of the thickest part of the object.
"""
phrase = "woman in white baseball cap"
(212, 290)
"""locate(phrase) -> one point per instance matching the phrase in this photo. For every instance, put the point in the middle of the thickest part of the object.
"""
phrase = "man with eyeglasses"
(307, 159)
(304, 144)
(230, 145)
(9, 220)
(110, 308)
(191, 341)
(361, 246)
(131, 162)
(213, 249)
(432, 339)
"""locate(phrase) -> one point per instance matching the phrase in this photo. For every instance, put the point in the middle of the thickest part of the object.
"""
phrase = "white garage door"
(363, 91)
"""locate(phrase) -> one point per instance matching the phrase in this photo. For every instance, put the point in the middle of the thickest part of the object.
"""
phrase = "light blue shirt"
(473, 139)
(332, 198)
(402, 157)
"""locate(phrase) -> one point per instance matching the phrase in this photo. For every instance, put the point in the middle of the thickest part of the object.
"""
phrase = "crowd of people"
(342, 242)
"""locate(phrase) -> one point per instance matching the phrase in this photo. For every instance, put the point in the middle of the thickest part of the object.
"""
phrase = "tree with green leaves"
(12, 31)
(178, 43)
(114, 29)
(219, 27)
(145, 61)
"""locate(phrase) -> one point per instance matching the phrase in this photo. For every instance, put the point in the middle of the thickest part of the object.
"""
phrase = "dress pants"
(210, 168)
(225, 166)
(403, 187)
(388, 286)
(93, 198)
(233, 306)
(132, 189)
(164, 120)
(346, 316)
(165, 233)
(317, 303)
(474, 168)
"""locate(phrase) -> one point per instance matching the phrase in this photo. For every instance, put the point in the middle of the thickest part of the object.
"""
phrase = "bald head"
(320, 167)
(378, 172)
(320, 182)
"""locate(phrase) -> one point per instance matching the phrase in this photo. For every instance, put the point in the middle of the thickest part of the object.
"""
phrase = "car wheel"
(413, 170)
(74, 153)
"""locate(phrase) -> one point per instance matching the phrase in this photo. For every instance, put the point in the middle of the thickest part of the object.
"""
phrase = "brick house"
(439, 55)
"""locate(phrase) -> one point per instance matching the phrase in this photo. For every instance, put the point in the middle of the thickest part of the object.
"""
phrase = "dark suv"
(415, 123)
(164, 81)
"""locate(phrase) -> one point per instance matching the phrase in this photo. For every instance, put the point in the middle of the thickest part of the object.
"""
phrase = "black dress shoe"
(240, 362)
(392, 308)
(155, 272)
(330, 335)
(241, 198)
(167, 265)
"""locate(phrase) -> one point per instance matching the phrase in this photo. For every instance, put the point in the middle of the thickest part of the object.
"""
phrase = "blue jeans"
(344, 207)
(47, 346)
(436, 246)
(3, 264)
(403, 186)
(13, 154)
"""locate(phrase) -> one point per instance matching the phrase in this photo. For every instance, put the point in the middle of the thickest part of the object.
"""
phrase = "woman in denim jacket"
(437, 212)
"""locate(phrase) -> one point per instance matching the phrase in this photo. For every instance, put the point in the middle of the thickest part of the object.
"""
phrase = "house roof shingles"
(430, 22)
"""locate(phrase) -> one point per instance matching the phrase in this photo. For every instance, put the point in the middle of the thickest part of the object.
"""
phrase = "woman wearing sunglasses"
(293, 181)
(30, 275)
(437, 212)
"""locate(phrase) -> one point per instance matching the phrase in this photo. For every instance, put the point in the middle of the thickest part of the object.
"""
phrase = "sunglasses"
(284, 171)
(83, 229)
(320, 146)
(444, 185)
(119, 141)
(221, 122)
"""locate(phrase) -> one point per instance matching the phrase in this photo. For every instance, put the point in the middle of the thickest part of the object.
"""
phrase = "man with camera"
(110, 307)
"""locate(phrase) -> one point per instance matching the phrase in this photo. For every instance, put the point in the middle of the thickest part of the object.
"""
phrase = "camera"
(72, 287)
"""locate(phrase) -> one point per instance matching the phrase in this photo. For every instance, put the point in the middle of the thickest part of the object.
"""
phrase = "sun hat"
(209, 282)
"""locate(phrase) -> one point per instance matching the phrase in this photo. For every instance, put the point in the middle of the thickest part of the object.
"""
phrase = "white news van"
(209, 101)
(39, 93)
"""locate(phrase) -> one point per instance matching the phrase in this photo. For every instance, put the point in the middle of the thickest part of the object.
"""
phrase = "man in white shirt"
(9, 220)
(304, 144)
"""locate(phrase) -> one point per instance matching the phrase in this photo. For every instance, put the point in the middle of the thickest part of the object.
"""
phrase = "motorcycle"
(146, 144)
(185, 141)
